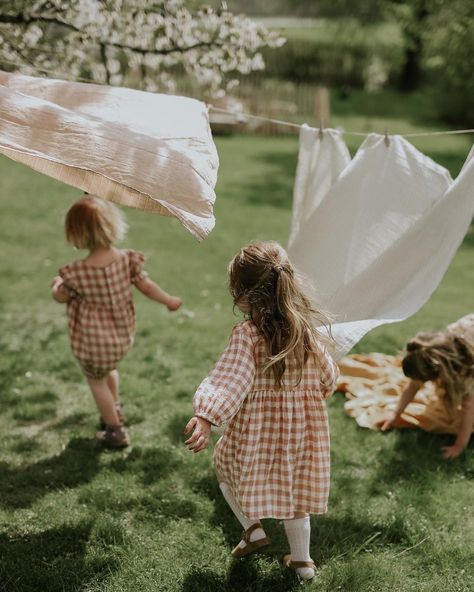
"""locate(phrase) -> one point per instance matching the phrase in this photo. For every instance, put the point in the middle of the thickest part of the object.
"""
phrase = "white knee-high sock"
(258, 533)
(298, 532)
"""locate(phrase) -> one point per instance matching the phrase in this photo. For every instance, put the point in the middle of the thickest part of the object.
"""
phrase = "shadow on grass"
(416, 456)
(243, 576)
(76, 464)
(152, 464)
(71, 421)
(333, 534)
(54, 560)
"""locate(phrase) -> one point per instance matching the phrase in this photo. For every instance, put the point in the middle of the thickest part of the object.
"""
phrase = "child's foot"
(253, 539)
(306, 570)
(114, 436)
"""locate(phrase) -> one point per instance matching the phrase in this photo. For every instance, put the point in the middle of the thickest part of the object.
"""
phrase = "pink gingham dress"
(274, 454)
(101, 315)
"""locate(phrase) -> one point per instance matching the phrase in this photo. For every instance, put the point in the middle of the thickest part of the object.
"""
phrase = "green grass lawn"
(76, 517)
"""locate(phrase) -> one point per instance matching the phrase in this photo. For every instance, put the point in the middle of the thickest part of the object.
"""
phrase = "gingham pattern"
(101, 315)
(274, 453)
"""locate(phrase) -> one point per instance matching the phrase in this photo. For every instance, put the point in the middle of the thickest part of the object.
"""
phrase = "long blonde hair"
(442, 357)
(262, 279)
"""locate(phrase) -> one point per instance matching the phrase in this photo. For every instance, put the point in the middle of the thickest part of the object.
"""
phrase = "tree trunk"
(412, 72)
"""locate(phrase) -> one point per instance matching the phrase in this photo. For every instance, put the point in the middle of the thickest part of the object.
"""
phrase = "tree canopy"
(106, 40)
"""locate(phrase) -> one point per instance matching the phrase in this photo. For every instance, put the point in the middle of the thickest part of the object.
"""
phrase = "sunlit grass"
(75, 517)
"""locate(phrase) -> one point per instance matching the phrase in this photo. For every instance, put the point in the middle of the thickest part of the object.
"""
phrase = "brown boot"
(114, 436)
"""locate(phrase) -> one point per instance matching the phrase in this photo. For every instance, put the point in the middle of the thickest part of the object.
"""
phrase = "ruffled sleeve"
(222, 393)
(137, 261)
(328, 371)
(70, 280)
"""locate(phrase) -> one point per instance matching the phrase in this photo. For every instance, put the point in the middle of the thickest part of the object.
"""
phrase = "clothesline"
(299, 126)
(269, 119)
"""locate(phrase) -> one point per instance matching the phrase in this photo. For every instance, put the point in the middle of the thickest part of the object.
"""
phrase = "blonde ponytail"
(262, 277)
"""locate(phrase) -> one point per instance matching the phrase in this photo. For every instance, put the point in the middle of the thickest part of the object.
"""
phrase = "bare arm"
(406, 397)
(464, 430)
(58, 292)
(153, 291)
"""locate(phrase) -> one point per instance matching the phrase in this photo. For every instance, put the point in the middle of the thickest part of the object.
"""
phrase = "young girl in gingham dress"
(101, 315)
(270, 385)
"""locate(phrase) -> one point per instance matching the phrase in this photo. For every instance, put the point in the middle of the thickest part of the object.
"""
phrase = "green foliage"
(450, 51)
(74, 517)
(335, 53)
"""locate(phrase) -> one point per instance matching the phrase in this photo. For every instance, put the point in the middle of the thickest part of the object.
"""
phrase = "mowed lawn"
(151, 518)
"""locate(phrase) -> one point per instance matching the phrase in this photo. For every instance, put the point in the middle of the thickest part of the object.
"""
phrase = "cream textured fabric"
(379, 241)
(144, 150)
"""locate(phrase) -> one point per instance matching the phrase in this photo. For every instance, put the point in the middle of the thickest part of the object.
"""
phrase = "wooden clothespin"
(386, 138)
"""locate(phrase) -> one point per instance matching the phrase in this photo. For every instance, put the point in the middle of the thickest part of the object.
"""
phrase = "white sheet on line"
(378, 243)
(145, 150)
(319, 165)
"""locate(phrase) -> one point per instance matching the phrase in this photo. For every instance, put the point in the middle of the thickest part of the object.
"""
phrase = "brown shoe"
(114, 436)
(295, 565)
(250, 546)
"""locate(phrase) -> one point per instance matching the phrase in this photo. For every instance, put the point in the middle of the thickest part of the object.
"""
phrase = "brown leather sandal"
(288, 562)
(250, 546)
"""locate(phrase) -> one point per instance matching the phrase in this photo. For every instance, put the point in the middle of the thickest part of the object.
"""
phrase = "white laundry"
(319, 165)
(145, 150)
(379, 241)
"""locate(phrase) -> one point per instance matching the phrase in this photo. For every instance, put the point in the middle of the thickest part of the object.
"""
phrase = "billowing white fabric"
(149, 151)
(319, 165)
(383, 235)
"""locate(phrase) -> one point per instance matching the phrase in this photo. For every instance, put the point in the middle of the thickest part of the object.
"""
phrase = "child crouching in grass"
(270, 383)
(101, 314)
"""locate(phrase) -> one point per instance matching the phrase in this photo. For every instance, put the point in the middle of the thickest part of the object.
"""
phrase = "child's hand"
(200, 438)
(388, 422)
(57, 281)
(451, 452)
(174, 303)
(59, 293)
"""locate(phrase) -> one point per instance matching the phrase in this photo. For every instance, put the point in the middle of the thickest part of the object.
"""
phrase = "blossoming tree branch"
(151, 43)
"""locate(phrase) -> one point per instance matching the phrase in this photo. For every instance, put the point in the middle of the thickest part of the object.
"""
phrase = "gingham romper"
(274, 454)
(101, 315)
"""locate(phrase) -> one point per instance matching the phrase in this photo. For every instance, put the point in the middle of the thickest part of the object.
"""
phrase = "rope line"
(297, 125)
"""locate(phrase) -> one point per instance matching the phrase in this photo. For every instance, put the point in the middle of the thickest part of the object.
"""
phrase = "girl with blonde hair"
(445, 358)
(101, 314)
(270, 385)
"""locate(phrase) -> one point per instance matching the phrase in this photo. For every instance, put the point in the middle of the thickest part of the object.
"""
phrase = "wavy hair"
(264, 283)
(442, 357)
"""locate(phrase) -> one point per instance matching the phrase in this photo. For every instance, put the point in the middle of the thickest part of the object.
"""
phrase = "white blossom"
(114, 40)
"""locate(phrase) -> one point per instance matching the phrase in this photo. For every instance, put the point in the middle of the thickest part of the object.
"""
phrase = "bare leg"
(104, 400)
(113, 384)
